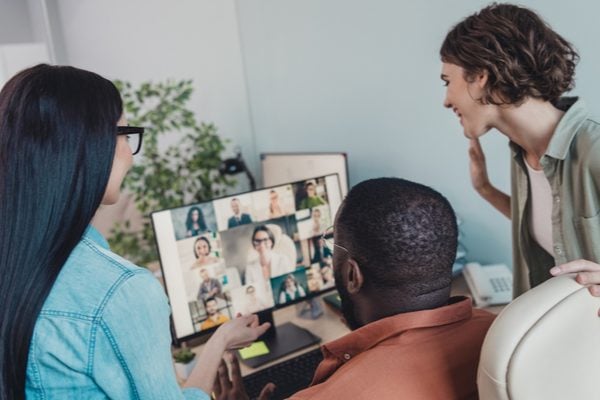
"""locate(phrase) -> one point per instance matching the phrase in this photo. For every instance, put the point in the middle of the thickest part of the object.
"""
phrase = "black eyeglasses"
(257, 242)
(134, 136)
(328, 240)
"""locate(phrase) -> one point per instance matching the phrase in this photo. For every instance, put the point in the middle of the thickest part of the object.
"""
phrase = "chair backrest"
(543, 345)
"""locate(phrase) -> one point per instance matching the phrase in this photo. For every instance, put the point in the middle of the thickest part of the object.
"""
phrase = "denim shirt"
(103, 332)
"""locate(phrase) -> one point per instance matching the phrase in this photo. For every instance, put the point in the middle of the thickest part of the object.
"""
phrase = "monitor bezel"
(344, 184)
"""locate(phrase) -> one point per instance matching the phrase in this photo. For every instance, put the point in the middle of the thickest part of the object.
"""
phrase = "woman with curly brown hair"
(505, 68)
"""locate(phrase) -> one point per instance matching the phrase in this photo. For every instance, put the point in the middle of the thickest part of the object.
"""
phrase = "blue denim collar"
(95, 236)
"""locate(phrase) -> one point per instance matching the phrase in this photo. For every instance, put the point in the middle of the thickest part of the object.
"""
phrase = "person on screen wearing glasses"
(269, 263)
(77, 320)
(394, 285)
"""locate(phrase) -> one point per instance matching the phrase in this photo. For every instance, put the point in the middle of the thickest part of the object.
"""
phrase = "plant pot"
(183, 370)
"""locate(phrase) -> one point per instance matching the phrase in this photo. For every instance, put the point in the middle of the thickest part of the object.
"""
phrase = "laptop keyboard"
(289, 376)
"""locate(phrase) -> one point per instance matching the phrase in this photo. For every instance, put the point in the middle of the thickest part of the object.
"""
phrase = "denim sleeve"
(130, 356)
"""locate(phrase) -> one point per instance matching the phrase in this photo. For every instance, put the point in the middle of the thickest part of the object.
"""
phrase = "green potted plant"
(185, 360)
(166, 176)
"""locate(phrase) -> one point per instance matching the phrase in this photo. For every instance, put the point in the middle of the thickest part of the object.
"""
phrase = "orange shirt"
(210, 323)
(430, 354)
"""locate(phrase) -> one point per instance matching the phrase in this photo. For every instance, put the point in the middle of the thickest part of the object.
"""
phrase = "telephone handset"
(490, 284)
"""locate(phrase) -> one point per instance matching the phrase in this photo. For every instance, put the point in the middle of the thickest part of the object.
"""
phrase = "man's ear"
(354, 277)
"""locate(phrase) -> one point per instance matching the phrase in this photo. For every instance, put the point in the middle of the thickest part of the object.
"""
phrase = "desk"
(329, 326)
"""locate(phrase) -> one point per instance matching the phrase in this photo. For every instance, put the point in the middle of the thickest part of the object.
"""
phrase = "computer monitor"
(247, 253)
(280, 168)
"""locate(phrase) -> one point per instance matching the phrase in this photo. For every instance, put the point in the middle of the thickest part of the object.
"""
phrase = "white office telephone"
(490, 284)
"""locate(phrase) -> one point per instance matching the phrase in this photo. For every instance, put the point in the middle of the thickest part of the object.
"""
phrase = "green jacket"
(572, 165)
(311, 202)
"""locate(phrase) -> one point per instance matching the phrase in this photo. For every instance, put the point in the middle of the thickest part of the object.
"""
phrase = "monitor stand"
(280, 340)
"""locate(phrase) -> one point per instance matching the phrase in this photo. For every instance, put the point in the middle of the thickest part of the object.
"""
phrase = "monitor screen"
(246, 253)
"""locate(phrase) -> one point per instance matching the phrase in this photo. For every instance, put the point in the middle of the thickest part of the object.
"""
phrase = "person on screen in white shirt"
(290, 290)
(253, 302)
(269, 263)
(202, 252)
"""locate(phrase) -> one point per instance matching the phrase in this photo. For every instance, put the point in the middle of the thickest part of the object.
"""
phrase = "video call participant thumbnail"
(252, 302)
(328, 278)
(275, 208)
(321, 254)
(409, 339)
(209, 287)
(290, 289)
(215, 317)
(238, 218)
(202, 250)
(312, 199)
(194, 222)
(314, 280)
(269, 263)
(317, 222)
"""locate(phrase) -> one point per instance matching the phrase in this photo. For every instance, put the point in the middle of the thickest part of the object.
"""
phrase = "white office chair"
(544, 345)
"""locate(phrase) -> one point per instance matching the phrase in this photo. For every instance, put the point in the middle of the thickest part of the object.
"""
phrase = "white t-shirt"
(540, 218)
(293, 295)
(280, 265)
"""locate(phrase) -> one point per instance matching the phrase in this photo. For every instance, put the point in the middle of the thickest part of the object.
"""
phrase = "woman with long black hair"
(77, 320)
(194, 222)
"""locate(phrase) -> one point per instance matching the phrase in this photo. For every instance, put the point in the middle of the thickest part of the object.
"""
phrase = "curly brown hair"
(522, 55)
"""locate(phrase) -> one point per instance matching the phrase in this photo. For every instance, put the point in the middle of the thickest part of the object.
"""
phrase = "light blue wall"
(315, 75)
(363, 77)
(15, 22)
